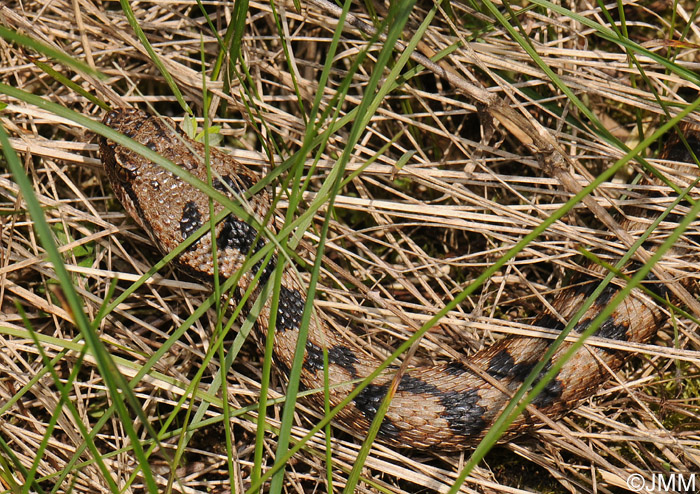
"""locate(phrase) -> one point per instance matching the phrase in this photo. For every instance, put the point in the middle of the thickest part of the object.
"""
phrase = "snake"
(447, 406)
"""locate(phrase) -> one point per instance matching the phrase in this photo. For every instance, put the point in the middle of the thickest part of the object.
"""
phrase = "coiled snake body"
(448, 406)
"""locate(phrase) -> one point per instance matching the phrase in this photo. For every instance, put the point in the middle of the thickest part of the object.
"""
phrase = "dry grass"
(407, 239)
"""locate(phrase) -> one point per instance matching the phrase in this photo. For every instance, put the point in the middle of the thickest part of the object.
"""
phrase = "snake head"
(150, 194)
(127, 121)
(166, 206)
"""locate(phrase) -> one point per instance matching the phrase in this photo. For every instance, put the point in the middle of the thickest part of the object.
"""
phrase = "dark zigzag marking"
(461, 411)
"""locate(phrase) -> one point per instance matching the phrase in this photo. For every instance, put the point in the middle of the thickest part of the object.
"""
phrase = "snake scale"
(447, 406)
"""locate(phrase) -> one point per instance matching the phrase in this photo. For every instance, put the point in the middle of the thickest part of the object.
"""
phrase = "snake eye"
(125, 172)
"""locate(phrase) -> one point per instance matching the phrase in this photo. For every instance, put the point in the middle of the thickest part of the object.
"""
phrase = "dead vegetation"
(459, 162)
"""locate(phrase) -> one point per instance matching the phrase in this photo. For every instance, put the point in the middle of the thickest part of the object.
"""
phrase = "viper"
(448, 406)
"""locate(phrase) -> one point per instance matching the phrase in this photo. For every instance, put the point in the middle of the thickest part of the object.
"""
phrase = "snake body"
(448, 406)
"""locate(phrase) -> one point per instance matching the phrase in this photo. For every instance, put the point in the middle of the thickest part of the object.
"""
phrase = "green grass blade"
(49, 51)
(113, 379)
(516, 405)
(134, 23)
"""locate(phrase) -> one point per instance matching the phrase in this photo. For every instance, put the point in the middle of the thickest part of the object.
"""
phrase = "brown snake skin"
(444, 406)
